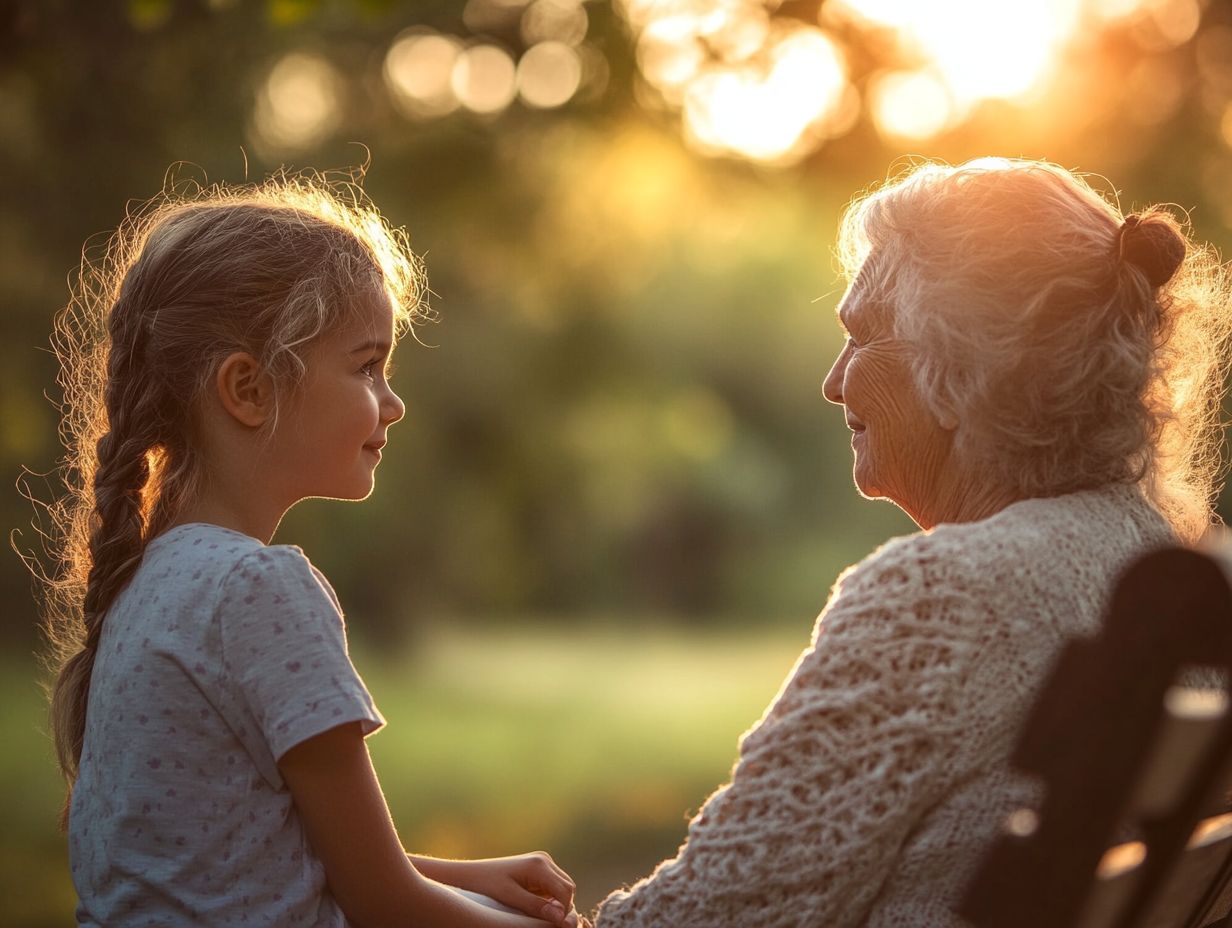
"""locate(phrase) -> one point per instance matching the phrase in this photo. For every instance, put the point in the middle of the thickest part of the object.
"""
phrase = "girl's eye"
(369, 369)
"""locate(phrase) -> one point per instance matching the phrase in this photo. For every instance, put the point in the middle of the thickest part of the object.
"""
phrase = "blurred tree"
(622, 413)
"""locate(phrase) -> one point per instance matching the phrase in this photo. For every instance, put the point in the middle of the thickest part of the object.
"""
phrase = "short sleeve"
(284, 651)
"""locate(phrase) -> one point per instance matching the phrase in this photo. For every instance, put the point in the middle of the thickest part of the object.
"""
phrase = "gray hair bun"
(1152, 245)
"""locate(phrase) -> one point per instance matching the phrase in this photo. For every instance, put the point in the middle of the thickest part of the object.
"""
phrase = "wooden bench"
(1131, 738)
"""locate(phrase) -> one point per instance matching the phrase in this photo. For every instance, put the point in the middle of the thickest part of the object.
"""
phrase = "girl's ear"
(245, 390)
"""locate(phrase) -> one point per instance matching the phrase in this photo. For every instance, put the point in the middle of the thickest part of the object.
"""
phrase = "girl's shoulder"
(203, 541)
(208, 554)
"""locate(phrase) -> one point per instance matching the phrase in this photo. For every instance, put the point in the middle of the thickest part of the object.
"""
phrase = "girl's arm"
(339, 800)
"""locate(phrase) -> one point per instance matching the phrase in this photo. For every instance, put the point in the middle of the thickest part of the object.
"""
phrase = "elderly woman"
(1036, 381)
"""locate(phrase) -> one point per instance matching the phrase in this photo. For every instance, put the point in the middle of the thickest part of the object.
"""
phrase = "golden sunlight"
(773, 88)
(766, 90)
(980, 50)
(554, 21)
(773, 109)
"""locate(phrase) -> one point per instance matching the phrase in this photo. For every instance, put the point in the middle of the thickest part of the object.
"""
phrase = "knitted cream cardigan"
(871, 785)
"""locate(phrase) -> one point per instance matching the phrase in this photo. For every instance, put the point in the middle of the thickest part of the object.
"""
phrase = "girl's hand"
(530, 883)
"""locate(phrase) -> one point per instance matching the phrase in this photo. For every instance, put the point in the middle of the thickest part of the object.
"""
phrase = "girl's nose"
(832, 387)
(393, 408)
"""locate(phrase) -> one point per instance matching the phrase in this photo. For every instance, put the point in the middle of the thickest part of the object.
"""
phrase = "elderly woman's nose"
(832, 387)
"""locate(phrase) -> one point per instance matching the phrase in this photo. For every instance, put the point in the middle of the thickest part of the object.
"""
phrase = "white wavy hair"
(1065, 366)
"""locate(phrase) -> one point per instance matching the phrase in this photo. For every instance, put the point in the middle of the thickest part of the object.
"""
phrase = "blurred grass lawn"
(593, 745)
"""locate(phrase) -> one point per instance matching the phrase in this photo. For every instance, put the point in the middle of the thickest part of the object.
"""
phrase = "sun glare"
(752, 79)
(981, 50)
(770, 109)
(765, 90)
(772, 89)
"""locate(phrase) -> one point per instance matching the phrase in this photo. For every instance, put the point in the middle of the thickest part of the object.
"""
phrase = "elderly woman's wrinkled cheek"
(901, 448)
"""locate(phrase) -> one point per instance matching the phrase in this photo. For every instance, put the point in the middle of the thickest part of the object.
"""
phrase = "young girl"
(224, 361)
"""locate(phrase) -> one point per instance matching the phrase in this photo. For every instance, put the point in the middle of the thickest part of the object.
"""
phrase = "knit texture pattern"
(871, 785)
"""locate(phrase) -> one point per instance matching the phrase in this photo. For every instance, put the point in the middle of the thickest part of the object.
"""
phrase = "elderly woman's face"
(901, 451)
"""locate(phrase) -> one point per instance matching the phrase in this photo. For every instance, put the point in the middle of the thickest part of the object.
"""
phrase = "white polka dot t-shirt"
(219, 656)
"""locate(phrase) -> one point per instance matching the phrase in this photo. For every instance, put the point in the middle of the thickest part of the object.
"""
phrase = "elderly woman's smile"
(902, 451)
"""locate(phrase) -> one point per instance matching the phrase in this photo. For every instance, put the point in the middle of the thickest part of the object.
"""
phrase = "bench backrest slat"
(1131, 736)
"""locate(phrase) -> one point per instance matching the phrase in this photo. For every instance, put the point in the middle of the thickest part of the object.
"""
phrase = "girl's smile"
(329, 440)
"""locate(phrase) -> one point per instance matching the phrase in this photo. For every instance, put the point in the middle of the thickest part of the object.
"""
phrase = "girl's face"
(329, 439)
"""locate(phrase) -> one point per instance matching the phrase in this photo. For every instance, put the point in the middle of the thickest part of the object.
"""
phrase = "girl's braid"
(117, 538)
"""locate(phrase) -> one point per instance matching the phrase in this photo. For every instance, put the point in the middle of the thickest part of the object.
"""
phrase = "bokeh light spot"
(767, 110)
(419, 73)
(735, 33)
(910, 104)
(549, 74)
(1165, 24)
(300, 102)
(484, 79)
(669, 56)
(554, 21)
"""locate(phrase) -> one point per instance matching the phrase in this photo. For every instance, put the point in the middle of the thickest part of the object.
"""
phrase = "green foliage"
(34, 877)
(622, 408)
